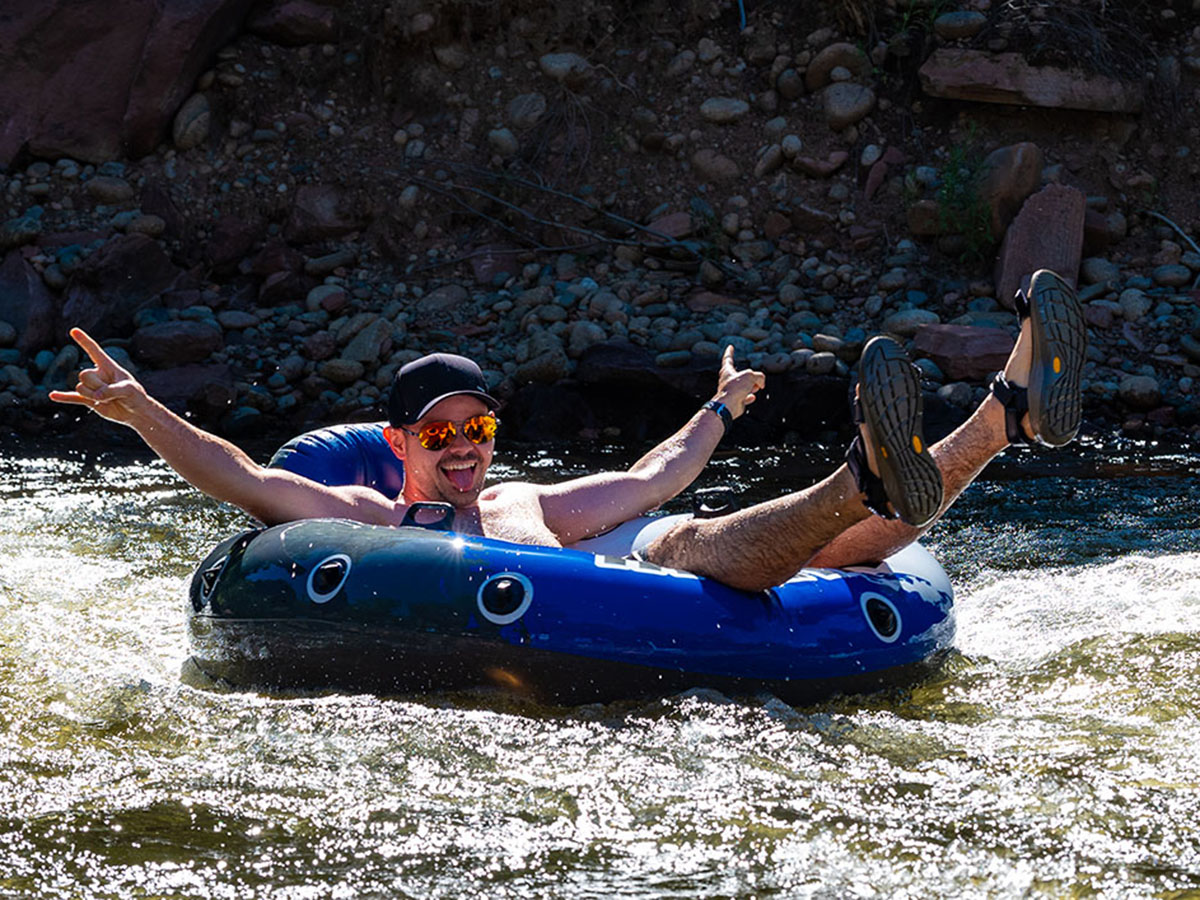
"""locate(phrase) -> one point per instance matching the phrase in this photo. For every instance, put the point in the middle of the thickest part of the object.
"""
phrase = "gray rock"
(8, 334)
(891, 281)
(1191, 347)
(713, 166)
(953, 26)
(1140, 392)
(1172, 276)
(1134, 304)
(549, 367)
(770, 161)
(151, 226)
(192, 123)
(1097, 270)
(723, 110)
(110, 190)
(371, 343)
(19, 231)
(503, 142)
(673, 359)
(526, 110)
(321, 266)
(342, 372)
(581, 335)
(564, 67)
(236, 319)
(681, 64)
(821, 363)
(908, 322)
(847, 102)
(790, 84)
(958, 394)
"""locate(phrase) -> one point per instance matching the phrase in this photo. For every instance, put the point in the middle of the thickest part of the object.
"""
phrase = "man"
(442, 426)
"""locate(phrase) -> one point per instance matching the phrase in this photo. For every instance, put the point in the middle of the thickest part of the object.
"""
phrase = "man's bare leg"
(827, 524)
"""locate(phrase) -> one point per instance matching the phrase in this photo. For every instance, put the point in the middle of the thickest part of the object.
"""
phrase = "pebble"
(1172, 275)
(723, 110)
(953, 26)
(907, 322)
(526, 110)
(1134, 304)
(846, 103)
(192, 123)
(1097, 270)
(109, 189)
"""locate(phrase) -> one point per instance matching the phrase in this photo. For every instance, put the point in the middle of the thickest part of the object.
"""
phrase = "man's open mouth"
(460, 473)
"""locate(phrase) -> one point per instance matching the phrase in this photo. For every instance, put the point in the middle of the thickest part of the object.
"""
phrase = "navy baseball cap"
(422, 383)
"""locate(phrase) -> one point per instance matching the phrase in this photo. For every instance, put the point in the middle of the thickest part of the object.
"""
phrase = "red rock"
(1008, 176)
(1102, 230)
(875, 177)
(673, 225)
(1046, 234)
(703, 301)
(125, 275)
(206, 389)
(776, 225)
(293, 23)
(232, 239)
(93, 79)
(961, 74)
(320, 212)
(964, 352)
(319, 346)
(170, 344)
(809, 219)
(821, 168)
(27, 304)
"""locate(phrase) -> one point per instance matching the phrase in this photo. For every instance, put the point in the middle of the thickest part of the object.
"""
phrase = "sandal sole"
(890, 399)
(1059, 353)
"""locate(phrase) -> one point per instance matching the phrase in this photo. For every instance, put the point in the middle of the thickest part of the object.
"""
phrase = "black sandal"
(1052, 400)
(889, 405)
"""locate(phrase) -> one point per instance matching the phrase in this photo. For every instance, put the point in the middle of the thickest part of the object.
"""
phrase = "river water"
(1052, 753)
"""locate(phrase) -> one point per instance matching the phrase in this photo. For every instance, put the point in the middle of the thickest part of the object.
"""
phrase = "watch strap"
(721, 410)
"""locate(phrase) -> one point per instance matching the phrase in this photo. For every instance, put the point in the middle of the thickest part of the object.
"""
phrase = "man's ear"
(395, 439)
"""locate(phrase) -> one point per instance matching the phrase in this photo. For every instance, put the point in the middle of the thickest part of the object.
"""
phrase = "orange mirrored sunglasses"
(439, 435)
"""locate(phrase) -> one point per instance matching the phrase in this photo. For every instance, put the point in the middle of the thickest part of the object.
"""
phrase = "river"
(1052, 753)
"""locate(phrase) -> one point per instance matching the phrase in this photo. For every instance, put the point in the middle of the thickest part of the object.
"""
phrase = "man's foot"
(889, 459)
(1046, 390)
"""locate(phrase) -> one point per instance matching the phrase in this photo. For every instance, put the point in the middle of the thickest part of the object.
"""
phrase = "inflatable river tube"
(329, 603)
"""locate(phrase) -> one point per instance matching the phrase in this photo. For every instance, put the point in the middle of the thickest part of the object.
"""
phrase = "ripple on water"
(1052, 754)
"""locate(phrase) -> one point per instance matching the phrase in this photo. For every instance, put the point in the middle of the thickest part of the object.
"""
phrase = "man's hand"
(107, 389)
(736, 389)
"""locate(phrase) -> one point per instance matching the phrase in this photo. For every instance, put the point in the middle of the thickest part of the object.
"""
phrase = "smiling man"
(443, 424)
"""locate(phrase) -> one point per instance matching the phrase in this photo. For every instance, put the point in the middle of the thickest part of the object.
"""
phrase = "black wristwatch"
(721, 410)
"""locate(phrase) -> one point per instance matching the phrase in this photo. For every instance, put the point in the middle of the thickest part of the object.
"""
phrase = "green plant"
(961, 208)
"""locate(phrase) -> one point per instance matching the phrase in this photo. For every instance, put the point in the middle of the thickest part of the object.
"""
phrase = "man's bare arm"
(209, 463)
(586, 506)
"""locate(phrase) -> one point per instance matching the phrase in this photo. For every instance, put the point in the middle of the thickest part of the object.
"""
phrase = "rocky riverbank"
(342, 190)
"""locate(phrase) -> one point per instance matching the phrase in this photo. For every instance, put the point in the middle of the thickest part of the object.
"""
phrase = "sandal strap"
(870, 485)
(1015, 401)
(1021, 304)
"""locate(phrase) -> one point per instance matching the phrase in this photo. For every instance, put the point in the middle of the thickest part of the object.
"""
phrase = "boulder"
(1007, 177)
(321, 212)
(125, 275)
(1140, 392)
(964, 352)
(1046, 234)
(170, 344)
(96, 79)
(27, 304)
(208, 390)
(847, 102)
(293, 23)
(980, 76)
(847, 56)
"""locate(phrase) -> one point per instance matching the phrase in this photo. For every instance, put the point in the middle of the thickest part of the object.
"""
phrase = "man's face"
(454, 474)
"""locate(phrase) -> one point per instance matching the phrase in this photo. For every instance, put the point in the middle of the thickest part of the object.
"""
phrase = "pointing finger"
(104, 362)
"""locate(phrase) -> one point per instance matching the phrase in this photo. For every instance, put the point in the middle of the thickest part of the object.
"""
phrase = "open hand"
(736, 389)
(107, 388)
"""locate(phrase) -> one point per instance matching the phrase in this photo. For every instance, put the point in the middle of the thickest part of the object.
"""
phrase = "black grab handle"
(443, 522)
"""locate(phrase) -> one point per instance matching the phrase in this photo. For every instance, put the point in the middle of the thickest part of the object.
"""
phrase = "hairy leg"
(960, 457)
(766, 544)
(827, 524)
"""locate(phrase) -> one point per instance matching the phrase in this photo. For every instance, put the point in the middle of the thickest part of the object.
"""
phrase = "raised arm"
(209, 463)
(587, 506)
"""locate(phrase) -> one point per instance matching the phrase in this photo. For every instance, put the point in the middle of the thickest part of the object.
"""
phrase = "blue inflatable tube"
(330, 603)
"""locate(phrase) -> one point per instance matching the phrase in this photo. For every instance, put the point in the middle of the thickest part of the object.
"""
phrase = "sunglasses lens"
(480, 429)
(436, 435)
